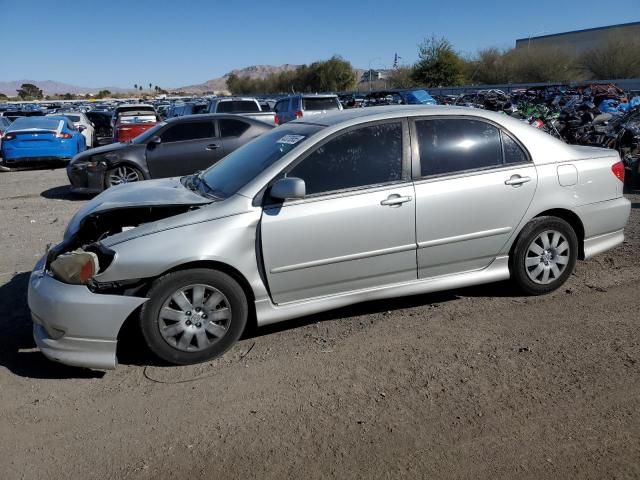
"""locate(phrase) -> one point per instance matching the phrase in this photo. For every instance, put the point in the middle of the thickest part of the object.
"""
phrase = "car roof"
(336, 117)
(212, 116)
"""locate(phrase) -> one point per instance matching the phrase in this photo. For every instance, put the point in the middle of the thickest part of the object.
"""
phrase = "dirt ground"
(472, 383)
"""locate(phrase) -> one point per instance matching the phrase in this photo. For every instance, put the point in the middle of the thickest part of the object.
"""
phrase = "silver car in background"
(355, 205)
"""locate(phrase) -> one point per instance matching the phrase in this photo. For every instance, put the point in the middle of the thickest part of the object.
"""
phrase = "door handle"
(517, 180)
(395, 200)
(213, 146)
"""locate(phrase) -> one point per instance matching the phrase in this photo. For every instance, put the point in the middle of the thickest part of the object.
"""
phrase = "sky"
(182, 42)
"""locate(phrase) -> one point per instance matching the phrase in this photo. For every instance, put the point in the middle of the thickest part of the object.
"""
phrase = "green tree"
(541, 64)
(438, 64)
(103, 94)
(618, 57)
(28, 91)
(67, 96)
(3, 97)
(489, 67)
(402, 77)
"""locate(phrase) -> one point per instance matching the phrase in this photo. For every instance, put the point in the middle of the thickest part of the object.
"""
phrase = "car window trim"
(406, 163)
(416, 165)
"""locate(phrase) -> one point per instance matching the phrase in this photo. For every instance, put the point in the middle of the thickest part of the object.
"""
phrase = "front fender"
(229, 240)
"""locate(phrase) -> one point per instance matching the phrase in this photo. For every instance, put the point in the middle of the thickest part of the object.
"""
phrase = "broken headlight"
(78, 267)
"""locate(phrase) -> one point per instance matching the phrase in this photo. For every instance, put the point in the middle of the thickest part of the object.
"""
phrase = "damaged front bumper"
(85, 178)
(73, 325)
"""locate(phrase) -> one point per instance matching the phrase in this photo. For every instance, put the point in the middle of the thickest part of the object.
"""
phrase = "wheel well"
(221, 267)
(572, 219)
(131, 164)
(233, 273)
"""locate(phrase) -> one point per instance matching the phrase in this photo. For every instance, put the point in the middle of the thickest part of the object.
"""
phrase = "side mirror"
(288, 188)
(156, 140)
(81, 128)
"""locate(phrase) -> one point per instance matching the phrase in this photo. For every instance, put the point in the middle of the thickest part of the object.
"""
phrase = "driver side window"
(365, 156)
(188, 131)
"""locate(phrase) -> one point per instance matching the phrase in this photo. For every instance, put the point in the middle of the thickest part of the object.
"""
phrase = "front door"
(185, 148)
(474, 184)
(356, 227)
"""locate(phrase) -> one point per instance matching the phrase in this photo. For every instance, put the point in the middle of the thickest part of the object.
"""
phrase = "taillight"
(618, 171)
(276, 120)
(8, 136)
(298, 114)
(64, 135)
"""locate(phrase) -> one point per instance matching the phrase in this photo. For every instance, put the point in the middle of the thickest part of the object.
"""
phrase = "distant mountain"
(51, 87)
(254, 71)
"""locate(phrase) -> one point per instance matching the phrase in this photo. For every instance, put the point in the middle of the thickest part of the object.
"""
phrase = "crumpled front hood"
(111, 148)
(150, 193)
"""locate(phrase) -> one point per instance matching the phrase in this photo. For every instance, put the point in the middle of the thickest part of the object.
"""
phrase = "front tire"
(122, 174)
(544, 256)
(193, 315)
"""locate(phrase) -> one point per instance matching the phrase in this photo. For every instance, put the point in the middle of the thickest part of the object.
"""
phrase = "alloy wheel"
(547, 257)
(123, 174)
(194, 317)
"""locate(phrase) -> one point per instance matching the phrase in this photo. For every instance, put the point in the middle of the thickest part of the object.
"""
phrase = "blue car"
(41, 139)
(409, 96)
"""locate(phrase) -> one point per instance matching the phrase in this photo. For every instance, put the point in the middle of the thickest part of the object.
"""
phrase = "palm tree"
(140, 87)
(150, 85)
(135, 86)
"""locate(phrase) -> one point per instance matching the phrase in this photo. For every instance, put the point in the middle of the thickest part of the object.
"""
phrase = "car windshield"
(37, 123)
(147, 134)
(238, 168)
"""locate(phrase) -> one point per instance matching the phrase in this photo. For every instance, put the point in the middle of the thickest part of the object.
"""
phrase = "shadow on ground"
(133, 351)
(62, 192)
(18, 353)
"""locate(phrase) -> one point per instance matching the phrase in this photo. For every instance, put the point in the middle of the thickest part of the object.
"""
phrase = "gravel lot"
(472, 383)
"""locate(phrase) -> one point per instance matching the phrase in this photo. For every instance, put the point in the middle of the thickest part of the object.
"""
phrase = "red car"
(129, 121)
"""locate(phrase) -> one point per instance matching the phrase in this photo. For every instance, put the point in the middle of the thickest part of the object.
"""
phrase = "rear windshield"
(238, 106)
(137, 111)
(37, 123)
(320, 103)
(73, 118)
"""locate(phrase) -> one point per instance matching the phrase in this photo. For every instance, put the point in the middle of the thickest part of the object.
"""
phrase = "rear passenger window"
(366, 156)
(233, 128)
(512, 151)
(454, 145)
(188, 131)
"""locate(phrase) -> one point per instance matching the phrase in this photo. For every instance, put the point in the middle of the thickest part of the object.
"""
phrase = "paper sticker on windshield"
(291, 139)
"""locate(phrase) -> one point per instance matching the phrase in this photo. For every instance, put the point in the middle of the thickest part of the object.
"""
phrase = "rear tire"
(193, 315)
(544, 256)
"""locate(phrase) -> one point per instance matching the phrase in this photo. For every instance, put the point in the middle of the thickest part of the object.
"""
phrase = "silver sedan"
(314, 215)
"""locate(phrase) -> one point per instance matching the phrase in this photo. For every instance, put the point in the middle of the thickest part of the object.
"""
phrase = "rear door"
(185, 148)
(356, 227)
(474, 183)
